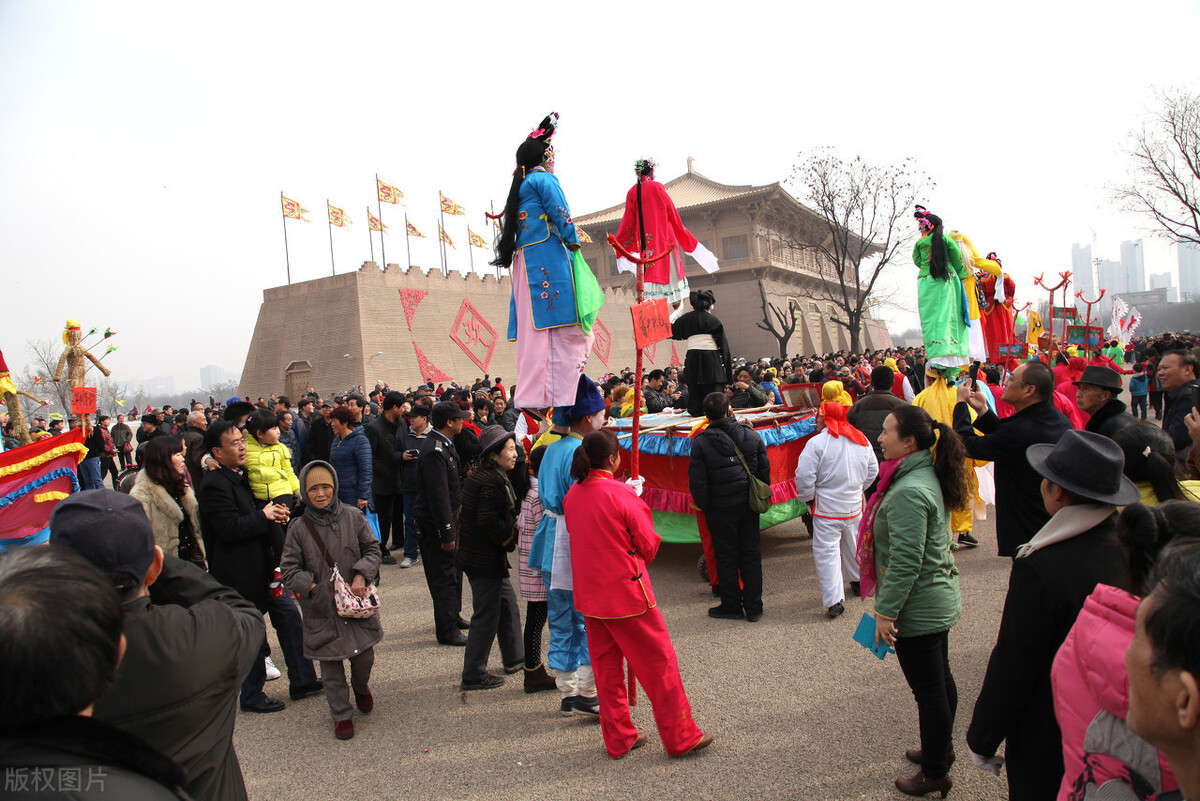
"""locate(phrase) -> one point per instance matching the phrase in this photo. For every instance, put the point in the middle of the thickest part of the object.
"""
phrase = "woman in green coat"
(917, 597)
(941, 300)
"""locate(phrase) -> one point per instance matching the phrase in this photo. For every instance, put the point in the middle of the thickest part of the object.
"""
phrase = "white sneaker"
(408, 562)
(272, 671)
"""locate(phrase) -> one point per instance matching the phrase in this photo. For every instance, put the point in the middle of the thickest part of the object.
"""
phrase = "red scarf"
(866, 527)
(834, 415)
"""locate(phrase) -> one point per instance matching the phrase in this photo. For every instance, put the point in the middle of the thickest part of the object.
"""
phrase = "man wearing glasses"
(1030, 389)
(237, 538)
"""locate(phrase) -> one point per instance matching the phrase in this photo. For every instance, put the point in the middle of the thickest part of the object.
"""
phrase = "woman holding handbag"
(340, 622)
(487, 533)
(170, 503)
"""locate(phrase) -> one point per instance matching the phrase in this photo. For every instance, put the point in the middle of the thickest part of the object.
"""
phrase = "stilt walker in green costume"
(941, 300)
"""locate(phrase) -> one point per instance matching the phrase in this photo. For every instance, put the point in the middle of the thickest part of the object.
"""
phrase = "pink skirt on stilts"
(549, 362)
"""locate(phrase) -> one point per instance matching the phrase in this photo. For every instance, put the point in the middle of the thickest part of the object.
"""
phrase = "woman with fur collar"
(169, 501)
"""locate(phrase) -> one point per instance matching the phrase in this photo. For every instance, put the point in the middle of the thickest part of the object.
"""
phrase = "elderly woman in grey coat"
(329, 638)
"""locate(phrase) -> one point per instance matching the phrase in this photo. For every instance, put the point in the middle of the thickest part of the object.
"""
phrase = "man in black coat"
(720, 487)
(1052, 575)
(439, 493)
(179, 623)
(1030, 389)
(1177, 374)
(1096, 394)
(238, 540)
(382, 433)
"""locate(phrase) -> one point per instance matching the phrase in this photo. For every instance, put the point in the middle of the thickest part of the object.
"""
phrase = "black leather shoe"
(753, 617)
(305, 690)
(463, 624)
(456, 638)
(856, 588)
(388, 559)
(264, 706)
(722, 613)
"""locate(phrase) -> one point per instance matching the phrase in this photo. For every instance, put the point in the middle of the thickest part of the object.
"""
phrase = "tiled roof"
(689, 191)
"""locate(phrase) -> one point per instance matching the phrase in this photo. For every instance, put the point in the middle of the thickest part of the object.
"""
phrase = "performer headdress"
(931, 224)
(588, 400)
(644, 167)
(530, 154)
(702, 299)
(992, 256)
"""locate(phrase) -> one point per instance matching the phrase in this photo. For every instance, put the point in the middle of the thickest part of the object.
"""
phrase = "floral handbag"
(344, 600)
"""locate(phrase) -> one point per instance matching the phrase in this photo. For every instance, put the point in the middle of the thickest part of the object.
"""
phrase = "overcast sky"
(143, 147)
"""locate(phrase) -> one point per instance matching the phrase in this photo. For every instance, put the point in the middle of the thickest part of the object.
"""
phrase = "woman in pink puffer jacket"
(1091, 688)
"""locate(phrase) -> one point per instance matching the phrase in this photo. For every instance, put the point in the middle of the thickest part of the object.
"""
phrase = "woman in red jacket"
(612, 541)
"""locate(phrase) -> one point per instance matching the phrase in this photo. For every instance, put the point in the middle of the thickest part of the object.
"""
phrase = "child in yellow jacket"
(268, 462)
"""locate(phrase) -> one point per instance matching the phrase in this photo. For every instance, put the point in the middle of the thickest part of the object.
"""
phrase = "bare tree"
(43, 361)
(775, 322)
(860, 223)
(1164, 183)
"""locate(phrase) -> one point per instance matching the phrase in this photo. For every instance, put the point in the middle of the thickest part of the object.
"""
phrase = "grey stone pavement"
(797, 708)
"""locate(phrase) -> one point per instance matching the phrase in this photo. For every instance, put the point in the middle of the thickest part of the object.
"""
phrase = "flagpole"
(370, 238)
(329, 222)
(379, 203)
(407, 244)
(441, 232)
(491, 227)
(470, 252)
(286, 255)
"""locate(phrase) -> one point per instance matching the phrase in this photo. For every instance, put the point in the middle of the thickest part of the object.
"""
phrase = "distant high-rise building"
(1133, 259)
(1189, 271)
(211, 375)
(1112, 276)
(1082, 269)
(1164, 281)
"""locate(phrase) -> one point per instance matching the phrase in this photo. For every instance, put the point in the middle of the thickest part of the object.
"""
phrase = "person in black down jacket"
(721, 489)
(1030, 389)
(487, 533)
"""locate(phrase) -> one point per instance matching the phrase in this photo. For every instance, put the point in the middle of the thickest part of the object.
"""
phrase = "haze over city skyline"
(145, 145)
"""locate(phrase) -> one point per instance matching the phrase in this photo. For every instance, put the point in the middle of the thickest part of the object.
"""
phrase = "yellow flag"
(388, 193)
(337, 216)
(475, 239)
(445, 237)
(374, 222)
(293, 210)
(412, 230)
(583, 237)
(450, 207)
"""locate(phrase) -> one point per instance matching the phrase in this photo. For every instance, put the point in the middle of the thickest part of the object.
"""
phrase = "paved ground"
(798, 710)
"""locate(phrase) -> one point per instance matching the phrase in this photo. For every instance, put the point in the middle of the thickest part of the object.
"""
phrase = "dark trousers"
(412, 548)
(696, 395)
(495, 613)
(108, 466)
(289, 628)
(390, 509)
(925, 661)
(738, 548)
(1156, 403)
(445, 583)
(1139, 402)
(126, 458)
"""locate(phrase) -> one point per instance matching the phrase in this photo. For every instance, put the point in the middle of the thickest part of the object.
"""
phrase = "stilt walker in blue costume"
(550, 552)
(555, 295)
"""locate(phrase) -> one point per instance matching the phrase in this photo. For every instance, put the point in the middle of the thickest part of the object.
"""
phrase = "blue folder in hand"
(864, 635)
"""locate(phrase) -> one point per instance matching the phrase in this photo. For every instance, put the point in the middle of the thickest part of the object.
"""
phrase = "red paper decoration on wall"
(428, 371)
(602, 344)
(474, 334)
(411, 298)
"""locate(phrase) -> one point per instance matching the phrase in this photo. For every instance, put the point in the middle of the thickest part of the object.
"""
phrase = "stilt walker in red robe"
(649, 209)
(996, 311)
(612, 540)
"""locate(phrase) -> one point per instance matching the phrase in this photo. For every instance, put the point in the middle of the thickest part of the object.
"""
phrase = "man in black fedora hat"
(1052, 575)
(1096, 394)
